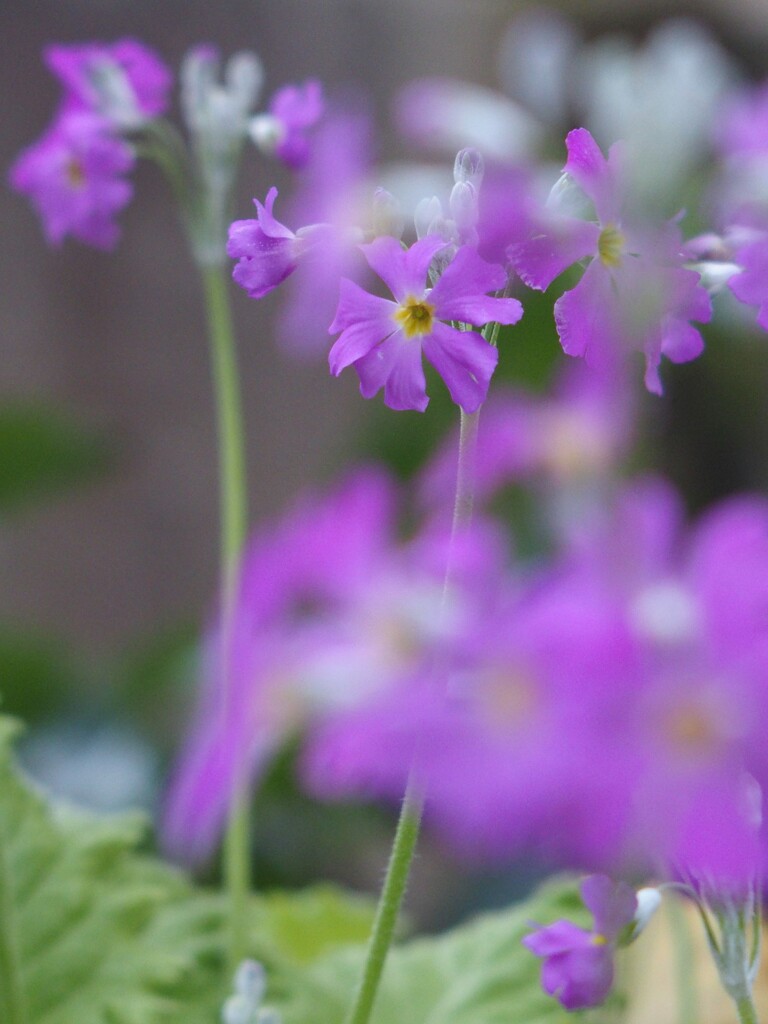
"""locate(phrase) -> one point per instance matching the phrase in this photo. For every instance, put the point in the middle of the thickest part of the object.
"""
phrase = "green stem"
(409, 822)
(391, 898)
(684, 963)
(233, 518)
(746, 1009)
(12, 1007)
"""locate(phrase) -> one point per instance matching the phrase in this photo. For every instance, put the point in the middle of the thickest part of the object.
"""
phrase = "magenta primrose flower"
(635, 290)
(295, 109)
(125, 82)
(384, 339)
(266, 250)
(75, 177)
(578, 964)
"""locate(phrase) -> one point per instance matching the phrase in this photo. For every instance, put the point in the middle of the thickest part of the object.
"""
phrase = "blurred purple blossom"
(293, 111)
(75, 177)
(635, 292)
(124, 82)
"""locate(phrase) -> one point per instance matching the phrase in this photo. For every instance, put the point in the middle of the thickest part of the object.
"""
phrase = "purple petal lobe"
(465, 361)
(586, 317)
(591, 171)
(403, 271)
(542, 258)
(613, 904)
(459, 294)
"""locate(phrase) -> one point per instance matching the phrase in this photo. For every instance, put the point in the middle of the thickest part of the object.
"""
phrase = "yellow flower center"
(610, 246)
(691, 729)
(74, 173)
(415, 316)
(599, 940)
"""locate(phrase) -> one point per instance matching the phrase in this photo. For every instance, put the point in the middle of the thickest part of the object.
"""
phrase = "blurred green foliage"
(45, 452)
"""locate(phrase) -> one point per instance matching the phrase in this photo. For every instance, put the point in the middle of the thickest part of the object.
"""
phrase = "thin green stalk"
(746, 1009)
(684, 963)
(409, 822)
(12, 1004)
(233, 518)
(391, 898)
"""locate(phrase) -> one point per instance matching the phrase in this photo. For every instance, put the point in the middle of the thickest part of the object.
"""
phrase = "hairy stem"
(409, 822)
(233, 518)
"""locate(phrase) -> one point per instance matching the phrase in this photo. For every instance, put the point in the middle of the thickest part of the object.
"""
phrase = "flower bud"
(387, 216)
(469, 167)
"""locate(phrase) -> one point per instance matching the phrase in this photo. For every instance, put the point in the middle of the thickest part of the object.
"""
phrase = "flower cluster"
(76, 173)
(115, 96)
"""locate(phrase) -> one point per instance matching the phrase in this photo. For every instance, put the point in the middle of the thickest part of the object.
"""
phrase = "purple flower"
(125, 82)
(578, 434)
(384, 340)
(75, 177)
(750, 284)
(296, 108)
(578, 964)
(634, 290)
(267, 251)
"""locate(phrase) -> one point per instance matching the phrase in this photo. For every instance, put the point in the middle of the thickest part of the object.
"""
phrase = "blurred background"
(108, 502)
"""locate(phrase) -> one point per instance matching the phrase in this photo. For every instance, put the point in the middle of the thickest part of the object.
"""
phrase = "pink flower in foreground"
(74, 176)
(384, 339)
(578, 964)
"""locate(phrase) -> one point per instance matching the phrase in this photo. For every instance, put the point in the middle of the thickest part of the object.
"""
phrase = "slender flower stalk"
(411, 812)
(233, 517)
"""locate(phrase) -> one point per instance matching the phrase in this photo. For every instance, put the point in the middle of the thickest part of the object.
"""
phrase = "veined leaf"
(91, 932)
(478, 973)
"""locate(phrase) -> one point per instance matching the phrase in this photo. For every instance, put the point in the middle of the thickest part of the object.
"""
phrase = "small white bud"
(266, 132)
(387, 216)
(469, 166)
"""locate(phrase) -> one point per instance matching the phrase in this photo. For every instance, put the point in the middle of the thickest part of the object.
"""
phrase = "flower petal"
(403, 271)
(464, 360)
(542, 258)
(586, 317)
(559, 937)
(399, 359)
(460, 292)
(364, 320)
(592, 172)
(613, 904)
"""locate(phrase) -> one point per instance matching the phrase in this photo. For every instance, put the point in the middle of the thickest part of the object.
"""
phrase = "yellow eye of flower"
(415, 316)
(74, 173)
(610, 246)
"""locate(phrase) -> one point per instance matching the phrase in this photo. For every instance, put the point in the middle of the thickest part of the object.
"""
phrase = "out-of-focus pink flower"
(635, 292)
(575, 436)
(75, 177)
(293, 111)
(330, 612)
(124, 82)
(385, 339)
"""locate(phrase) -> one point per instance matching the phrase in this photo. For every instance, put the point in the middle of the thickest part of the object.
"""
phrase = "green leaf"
(479, 973)
(44, 453)
(91, 932)
(302, 926)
